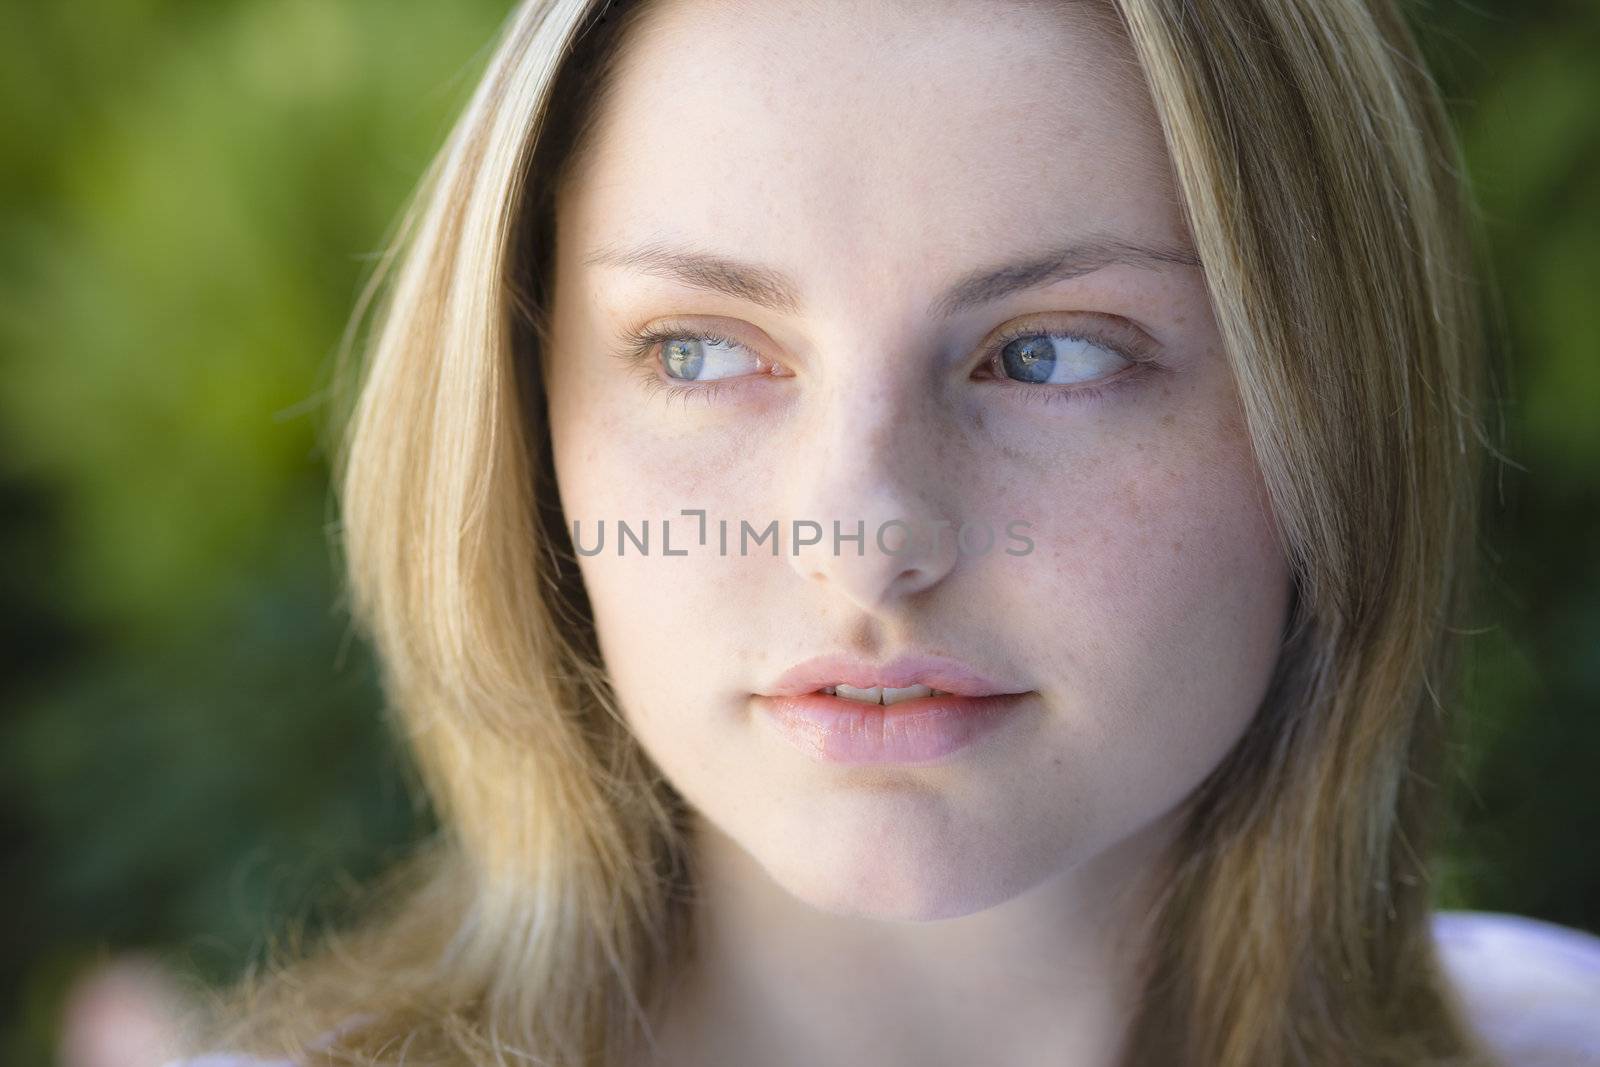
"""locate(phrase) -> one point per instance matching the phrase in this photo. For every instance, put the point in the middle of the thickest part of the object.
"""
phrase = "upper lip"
(935, 672)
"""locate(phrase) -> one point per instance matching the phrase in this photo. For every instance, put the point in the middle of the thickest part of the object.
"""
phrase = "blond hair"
(1322, 185)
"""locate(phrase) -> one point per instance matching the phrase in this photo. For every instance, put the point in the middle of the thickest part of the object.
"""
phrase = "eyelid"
(640, 342)
(1111, 332)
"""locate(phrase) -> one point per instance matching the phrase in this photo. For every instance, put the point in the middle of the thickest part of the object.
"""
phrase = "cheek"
(660, 618)
(1165, 604)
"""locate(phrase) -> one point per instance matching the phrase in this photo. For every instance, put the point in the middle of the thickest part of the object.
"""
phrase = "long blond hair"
(1322, 184)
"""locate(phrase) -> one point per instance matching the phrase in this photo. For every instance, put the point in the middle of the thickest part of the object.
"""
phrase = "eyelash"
(638, 345)
(1132, 351)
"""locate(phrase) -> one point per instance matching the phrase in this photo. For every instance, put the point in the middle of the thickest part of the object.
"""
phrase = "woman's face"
(847, 220)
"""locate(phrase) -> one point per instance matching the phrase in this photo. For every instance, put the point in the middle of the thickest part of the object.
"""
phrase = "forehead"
(882, 140)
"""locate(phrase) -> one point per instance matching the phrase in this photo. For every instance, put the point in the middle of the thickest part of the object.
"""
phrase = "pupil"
(684, 357)
(1029, 358)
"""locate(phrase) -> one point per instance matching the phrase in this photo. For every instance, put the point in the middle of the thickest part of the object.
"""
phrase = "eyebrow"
(773, 289)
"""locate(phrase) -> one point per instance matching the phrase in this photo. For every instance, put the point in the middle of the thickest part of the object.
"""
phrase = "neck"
(1049, 976)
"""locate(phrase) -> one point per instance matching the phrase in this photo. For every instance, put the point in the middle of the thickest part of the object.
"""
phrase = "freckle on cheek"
(1128, 499)
(1232, 428)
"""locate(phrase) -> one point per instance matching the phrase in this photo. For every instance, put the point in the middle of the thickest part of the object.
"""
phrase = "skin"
(979, 909)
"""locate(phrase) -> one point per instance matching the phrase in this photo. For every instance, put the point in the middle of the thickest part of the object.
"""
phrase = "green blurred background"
(191, 748)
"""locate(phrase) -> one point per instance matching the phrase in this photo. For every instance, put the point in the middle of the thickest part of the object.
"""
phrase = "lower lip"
(836, 730)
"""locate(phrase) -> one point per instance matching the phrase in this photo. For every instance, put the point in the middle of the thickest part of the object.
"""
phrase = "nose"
(870, 520)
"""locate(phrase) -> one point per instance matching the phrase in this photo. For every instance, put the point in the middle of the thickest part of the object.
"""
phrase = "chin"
(904, 877)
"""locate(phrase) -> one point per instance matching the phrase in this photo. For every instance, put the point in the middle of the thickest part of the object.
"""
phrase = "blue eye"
(1041, 358)
(698, 361)
(1069, 366)
(683, 357)
(1030, 359)
(698, 358)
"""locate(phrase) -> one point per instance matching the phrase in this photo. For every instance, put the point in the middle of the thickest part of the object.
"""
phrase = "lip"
(838, 730)
(935, 672)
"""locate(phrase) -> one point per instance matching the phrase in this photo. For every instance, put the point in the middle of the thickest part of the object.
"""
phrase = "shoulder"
(1531, 988)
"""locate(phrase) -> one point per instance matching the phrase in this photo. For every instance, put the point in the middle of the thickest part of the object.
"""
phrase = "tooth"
(882, 694)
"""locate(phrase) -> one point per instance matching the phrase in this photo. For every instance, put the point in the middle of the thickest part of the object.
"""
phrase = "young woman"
(1047, 437)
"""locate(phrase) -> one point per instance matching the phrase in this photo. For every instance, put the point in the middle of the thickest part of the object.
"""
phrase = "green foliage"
(193, 744)
(1527, 817)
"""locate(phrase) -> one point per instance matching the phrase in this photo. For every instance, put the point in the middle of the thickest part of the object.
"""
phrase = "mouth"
(921, 727)
(917, 708)
(881, 694)
(906, 677)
